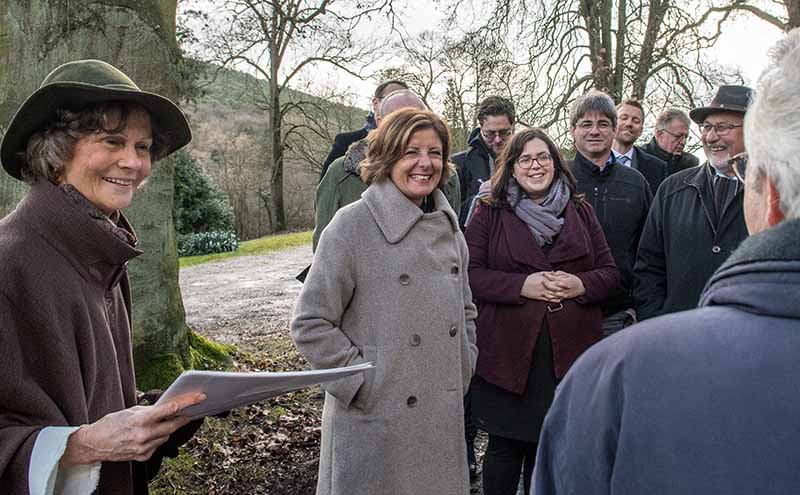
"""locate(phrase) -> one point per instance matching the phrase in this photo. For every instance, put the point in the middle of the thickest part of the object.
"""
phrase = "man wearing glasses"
(696, 220)
(619, 194)
(475, 165)
(669, 140)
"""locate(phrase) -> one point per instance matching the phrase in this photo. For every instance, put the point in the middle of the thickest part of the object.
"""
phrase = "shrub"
(215, 241)
(199, 204)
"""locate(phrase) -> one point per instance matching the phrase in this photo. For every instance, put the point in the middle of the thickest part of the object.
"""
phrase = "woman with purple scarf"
(539, 267)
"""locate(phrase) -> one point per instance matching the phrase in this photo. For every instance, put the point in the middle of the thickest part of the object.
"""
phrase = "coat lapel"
(395, 214)
(570, 244)
(521, 243)
(700, 183)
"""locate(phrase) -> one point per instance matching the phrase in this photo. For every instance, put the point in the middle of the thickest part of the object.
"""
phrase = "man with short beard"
(696, 220)
(630, 116)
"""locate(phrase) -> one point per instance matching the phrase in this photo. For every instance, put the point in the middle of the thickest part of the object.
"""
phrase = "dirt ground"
(267, 448)
(240, 299)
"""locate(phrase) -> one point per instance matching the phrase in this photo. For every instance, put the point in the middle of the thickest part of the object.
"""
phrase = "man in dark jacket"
(620, 195)
(475, 165)
(630, 116)
(696, 221)
(672, 130)
(703, 401)
(343, 140)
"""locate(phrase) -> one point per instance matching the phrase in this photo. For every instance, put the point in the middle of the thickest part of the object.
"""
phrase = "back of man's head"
(404, 98)
(496, 106)
(391, 85)
(772, 126)
(593, 102)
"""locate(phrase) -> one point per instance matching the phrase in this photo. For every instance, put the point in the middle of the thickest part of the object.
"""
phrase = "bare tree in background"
(279, 40)
(647, 49)
(453, 74)
(768, 11)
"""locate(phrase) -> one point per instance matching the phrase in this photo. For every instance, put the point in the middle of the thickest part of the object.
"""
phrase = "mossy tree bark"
(137, 36)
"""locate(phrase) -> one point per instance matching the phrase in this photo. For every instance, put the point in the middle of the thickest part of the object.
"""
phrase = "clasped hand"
(132, 434)
(552, 286)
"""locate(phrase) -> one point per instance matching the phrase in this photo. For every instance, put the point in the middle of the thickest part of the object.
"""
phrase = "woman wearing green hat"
(69, 420)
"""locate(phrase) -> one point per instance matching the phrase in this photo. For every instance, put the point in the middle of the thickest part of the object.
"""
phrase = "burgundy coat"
(502, 253)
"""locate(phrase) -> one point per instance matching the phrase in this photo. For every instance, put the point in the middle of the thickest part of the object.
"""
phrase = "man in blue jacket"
(707, 400)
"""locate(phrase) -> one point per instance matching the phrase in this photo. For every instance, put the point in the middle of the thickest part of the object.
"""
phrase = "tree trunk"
(793, 9)
(137, 36)
(275, 129)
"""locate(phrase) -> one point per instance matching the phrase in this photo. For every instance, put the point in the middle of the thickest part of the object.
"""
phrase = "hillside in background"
(231, 143)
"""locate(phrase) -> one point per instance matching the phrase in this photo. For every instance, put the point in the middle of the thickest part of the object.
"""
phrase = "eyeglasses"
(679, 137)
(491, 135)
(586, 125)
(739, 165)
(525, 162)
(720, 129)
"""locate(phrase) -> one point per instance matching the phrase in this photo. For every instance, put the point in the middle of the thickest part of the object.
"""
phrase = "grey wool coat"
(389, 285)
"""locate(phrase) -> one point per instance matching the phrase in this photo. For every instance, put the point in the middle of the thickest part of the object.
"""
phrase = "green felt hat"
(76, 85)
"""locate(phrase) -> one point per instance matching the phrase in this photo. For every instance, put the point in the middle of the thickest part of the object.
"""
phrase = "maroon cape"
(65, 348)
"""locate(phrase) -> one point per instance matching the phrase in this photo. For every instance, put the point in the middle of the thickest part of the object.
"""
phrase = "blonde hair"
(388, 142)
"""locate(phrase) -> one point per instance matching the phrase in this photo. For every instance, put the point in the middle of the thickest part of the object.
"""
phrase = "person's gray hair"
(593, 101)
(772, 123)
(50, 148)
(666, 117)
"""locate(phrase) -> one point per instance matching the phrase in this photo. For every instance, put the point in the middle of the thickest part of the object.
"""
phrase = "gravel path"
(239, 299)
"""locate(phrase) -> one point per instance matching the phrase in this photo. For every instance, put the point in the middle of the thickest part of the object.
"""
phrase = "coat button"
(716, 249)
(453, 331)
(415, 340)
(411, 401)
(404, 279)
(454, 270)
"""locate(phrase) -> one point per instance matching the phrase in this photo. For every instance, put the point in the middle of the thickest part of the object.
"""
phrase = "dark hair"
(50, 148)
(504, 168)
(388, 142)
(632, 102)
(385, 84)
(496, 105)
(591, 102)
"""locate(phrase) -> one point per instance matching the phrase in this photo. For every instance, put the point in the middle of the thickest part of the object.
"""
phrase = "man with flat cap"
(696, 220)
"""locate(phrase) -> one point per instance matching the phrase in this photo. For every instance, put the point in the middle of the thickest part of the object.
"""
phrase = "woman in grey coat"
(388, 285)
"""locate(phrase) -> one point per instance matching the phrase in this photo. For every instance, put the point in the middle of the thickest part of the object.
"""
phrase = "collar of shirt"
(714, 172)
(629, 154)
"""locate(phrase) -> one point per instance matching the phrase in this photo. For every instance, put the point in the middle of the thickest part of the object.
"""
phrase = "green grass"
(256, 246)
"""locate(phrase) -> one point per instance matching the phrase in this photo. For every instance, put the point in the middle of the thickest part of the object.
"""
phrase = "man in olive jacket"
(342, 141)
(342, 183)
(696, 220)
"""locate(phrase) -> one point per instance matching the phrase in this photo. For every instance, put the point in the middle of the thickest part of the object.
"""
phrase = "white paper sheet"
(228, 390)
